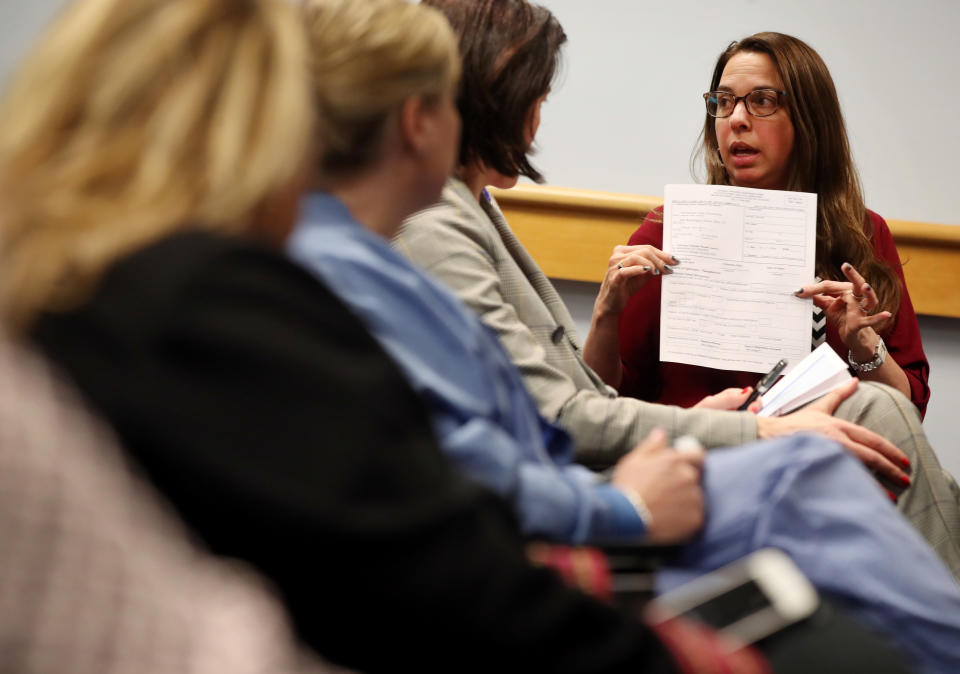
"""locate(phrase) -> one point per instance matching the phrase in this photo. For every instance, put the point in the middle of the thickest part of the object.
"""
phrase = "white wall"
(628, 110)
(20, 21)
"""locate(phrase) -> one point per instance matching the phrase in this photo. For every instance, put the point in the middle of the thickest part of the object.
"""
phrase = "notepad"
(816, 375)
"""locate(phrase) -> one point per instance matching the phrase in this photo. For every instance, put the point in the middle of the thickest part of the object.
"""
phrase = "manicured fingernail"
(904, 480)
(675, 260)
(905, 462)
(745, 389)
(798, 292)
(667, 270)
(891, 495)
(646, 268)
(845, 266)
(656, 272)
(866, 286)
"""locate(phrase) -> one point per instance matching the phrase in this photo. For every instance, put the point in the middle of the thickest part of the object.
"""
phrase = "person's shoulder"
(330, 247)
(201, 273)
(455, 222)
(877, 222)
(456, 210)
(183, 257)
(650, 231)
(879, 231)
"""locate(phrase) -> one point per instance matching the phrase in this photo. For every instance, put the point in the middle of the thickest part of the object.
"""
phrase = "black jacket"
(284, 436)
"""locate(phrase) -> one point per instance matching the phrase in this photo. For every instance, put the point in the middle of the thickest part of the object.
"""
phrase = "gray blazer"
(469, 246)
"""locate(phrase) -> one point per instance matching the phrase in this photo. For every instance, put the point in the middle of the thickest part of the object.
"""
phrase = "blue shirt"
(482, 414)
(810, 498)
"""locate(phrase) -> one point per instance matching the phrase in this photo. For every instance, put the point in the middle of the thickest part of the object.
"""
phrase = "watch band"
(871, 364)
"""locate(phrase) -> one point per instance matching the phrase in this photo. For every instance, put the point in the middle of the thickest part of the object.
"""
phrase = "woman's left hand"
(730, 399)
(628, 269)
(847, 304)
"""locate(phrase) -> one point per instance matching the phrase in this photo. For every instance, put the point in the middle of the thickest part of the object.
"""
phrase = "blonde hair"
(135, 118)
(368, 56)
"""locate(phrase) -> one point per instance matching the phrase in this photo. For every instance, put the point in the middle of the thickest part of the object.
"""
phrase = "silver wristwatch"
(872, 364)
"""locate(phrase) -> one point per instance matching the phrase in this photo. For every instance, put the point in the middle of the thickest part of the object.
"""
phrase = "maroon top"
(645, 377)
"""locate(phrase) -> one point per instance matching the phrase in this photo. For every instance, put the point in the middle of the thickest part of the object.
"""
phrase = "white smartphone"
(746, 600)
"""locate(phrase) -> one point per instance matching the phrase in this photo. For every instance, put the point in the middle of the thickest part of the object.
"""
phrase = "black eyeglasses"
(759, 102)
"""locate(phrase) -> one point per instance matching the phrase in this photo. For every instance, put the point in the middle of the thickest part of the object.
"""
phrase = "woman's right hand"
(730, 399)
(668, 483)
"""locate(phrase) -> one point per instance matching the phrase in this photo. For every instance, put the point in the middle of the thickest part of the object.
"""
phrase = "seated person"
(480, 411)
(466, 243)
(773, 121)
(388, 133)
(141, 249)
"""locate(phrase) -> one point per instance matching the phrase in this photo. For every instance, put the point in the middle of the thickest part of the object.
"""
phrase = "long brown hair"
(820, 161)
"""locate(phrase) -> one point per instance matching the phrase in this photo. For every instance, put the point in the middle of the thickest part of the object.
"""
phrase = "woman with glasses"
(773, 121)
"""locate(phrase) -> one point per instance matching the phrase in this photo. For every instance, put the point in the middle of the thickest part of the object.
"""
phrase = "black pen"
(766, 381)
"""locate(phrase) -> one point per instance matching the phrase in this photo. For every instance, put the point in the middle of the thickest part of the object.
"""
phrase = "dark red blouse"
(645, 377)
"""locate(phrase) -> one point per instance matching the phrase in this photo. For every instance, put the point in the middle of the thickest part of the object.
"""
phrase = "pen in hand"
(765, 383)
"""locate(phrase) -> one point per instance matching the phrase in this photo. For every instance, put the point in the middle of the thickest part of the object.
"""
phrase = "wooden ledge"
(571, 233)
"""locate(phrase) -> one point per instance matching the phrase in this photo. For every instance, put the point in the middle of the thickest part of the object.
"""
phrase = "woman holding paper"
(773, 121)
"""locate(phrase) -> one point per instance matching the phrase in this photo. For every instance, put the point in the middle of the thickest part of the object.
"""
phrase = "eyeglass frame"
(737, 99)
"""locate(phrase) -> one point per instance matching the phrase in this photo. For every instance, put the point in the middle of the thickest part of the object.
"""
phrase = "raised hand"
(849, 305)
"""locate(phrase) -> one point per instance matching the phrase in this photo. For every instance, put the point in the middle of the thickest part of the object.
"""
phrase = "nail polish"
(798, 292)
(845, 266)
(656, 272)
(667, 270)
(646, 268)
(891, 495)
(904, 480)
(905, 462)
(675, 260)
(745, 389)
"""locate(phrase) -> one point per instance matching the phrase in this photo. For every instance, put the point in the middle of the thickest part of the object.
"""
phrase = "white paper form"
(744, 252)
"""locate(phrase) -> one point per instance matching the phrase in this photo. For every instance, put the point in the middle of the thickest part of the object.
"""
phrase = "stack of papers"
(814, 376)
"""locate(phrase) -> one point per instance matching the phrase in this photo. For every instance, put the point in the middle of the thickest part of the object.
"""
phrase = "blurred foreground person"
(97, 576)
(147, 187)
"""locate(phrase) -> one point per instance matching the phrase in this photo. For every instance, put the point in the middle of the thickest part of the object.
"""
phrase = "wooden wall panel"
(572, 232)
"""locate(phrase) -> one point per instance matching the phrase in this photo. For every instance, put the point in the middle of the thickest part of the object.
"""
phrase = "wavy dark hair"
(820, 163)
(511, 54)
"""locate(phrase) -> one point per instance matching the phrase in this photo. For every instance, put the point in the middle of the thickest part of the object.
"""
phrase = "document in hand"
(816, 375)
(744, 252)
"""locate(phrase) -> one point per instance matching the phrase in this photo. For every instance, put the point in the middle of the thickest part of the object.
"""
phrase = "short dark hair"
(511, 54)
